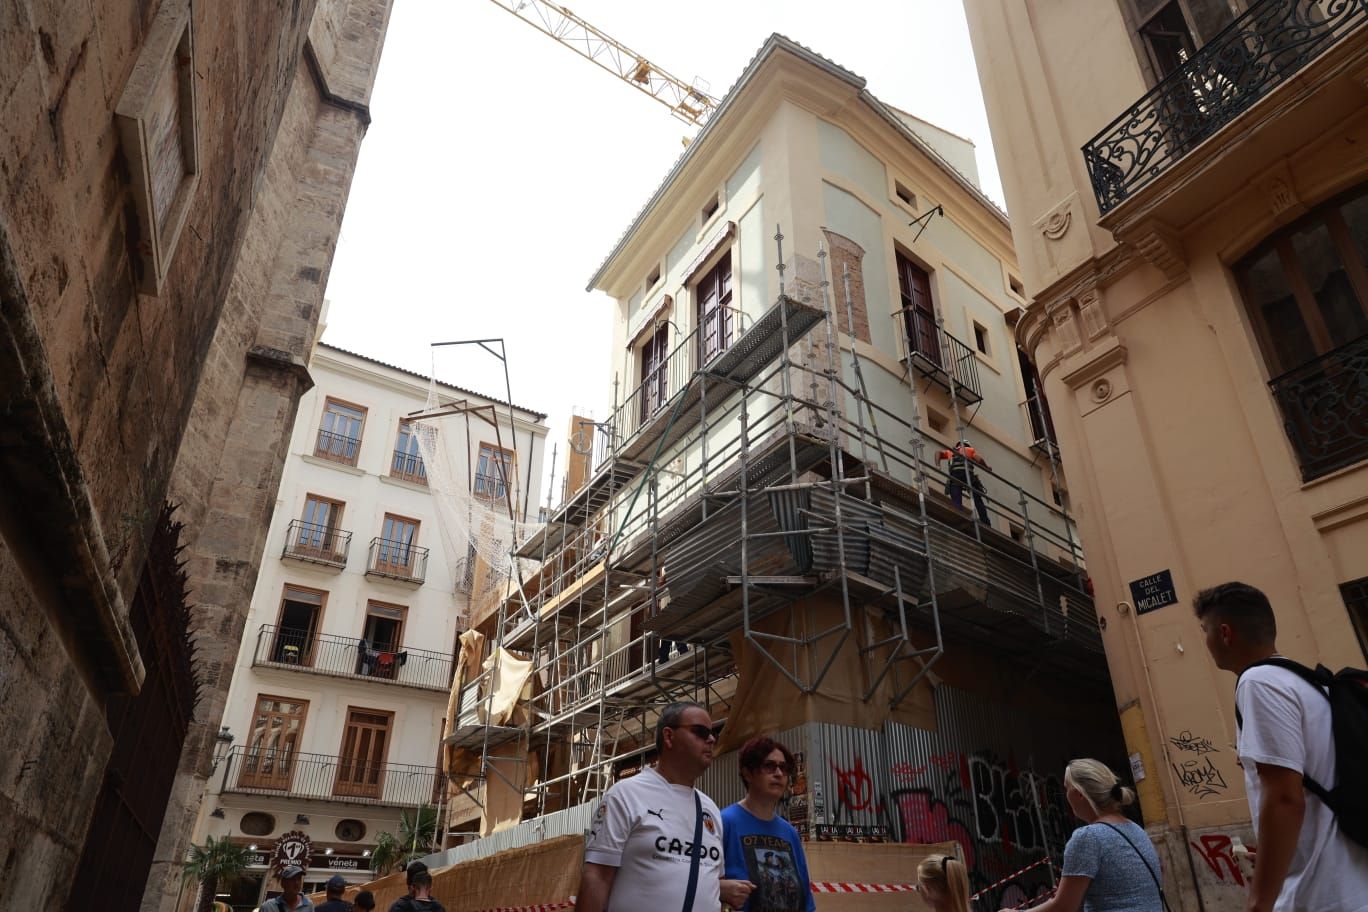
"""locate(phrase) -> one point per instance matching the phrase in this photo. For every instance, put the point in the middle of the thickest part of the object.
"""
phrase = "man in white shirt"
(1304, 863)
(642, 852)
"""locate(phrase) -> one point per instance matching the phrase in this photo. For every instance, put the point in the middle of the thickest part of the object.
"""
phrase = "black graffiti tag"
(1200, 777)
(1187, 741)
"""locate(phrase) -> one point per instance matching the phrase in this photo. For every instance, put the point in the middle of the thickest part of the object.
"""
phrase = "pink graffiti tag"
(1216, 851)
(907, 772)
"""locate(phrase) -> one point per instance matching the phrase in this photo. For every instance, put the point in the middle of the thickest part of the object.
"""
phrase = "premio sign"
(292, 848)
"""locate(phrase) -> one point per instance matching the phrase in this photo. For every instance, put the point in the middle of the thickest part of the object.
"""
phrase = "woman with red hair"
(763, 849)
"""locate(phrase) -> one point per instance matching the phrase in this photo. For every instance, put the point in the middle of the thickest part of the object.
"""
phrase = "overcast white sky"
(501, 168)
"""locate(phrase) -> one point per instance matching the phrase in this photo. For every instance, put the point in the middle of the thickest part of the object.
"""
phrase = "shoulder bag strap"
(695, 854)
(1143, 860)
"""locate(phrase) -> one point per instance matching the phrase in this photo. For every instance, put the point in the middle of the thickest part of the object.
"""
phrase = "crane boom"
(690, 103)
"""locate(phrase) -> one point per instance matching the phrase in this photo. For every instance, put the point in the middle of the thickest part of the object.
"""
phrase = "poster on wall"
(796, 810)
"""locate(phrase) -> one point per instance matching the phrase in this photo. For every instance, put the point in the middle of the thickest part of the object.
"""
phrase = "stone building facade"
(1188, 187)
(173, 180)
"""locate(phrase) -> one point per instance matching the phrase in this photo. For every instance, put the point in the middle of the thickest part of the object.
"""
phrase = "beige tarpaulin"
(767, 701)
(544, 873)
(549, 872)
(512, 689)
(886, 863)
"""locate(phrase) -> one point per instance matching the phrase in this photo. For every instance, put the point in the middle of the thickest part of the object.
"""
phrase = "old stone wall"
(106, 390)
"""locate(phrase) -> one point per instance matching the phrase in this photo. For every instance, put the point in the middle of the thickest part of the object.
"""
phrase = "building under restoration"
(812, 310)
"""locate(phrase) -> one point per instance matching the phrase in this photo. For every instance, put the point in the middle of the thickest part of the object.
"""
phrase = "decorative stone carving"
(1090, 310)
(1101, 390)
(1066, 329)
(1281, 196)
(1056, 225)
(1161, 245)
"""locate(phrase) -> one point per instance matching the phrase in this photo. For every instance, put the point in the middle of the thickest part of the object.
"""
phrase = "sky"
(500, 169)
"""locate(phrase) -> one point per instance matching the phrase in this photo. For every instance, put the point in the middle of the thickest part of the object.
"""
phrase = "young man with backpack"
(1301, 740)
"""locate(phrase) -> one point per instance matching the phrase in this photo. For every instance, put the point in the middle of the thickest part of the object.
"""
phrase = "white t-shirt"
(1287, 724)
(644, 827)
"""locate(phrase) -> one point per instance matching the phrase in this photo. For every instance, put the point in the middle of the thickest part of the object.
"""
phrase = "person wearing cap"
(291, 899)
(335, 887)
(420, 899)
(365, 901)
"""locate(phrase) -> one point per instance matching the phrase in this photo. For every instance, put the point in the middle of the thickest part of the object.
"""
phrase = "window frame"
(389, 565)
(405, 431)
(906, 268)
(403, 621)
(712, 273)
(256, 779)
(352, 789)
(319, 450)
(511, 466)
(305, 660)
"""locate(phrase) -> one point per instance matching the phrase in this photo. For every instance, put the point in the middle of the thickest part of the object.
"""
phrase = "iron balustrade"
(1042, 427)
(940, 355)
(317, 544)
(1257, 52)
(409, 467)
(397, 560)
(1324, 405)
(291, 774)
(337, 447)
(347, 657)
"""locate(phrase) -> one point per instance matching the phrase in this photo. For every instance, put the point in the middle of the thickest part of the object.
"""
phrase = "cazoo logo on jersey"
(686, 848)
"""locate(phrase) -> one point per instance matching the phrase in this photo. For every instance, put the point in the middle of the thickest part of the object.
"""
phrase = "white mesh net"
(478, 534)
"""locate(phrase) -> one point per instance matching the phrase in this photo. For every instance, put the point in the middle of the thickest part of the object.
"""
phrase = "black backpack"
(1348, 696)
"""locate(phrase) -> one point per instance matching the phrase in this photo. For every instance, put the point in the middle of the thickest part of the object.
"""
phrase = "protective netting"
(478, 534)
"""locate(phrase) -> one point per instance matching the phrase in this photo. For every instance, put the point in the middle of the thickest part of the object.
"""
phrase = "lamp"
(217, 813)
(328, 850)
(252, 847)
(223, 743)
(301, 819)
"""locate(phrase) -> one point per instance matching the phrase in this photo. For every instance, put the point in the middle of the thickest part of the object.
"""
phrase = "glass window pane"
(1270, 298)
(1355, 214)
(1329, 282)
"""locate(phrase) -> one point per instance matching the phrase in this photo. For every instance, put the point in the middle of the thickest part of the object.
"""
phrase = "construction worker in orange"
(961, 475)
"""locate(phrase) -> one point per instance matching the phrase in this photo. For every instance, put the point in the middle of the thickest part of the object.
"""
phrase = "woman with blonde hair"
(943, 883)
(1109, 863)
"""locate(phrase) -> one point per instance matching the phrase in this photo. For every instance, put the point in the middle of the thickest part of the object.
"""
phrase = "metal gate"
(149, 730)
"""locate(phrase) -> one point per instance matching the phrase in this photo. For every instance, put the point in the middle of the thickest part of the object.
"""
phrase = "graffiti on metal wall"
(1002, 816)
(1218, 851)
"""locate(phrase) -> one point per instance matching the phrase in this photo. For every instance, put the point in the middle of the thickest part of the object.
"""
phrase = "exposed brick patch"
(847, 256)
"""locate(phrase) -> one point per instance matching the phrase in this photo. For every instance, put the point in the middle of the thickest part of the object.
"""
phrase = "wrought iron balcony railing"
(397, 560)
(283, 772)
(1257, 52)
(337, 447)
(317, 544)
(345, 657)
(491, 486)
(1324, 405)
(940, 356)
(409, 467)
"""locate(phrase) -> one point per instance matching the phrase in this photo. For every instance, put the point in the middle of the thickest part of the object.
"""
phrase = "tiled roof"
(539, 416)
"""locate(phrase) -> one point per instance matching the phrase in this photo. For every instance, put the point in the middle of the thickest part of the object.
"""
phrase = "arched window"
(1306, 290)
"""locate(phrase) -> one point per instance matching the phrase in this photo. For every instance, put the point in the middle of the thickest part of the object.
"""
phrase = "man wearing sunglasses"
(656, 841)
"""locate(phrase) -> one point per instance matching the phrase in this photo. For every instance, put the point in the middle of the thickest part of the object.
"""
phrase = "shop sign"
(292, 848)
(849, 832)
(345, 863)
(1153, 592)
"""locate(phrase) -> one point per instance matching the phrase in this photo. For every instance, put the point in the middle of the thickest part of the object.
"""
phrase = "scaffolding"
(737, 485)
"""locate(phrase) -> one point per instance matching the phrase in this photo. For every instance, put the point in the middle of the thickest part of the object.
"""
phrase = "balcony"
(1259, 51)
(345, 657)
(316, 544)
(1324, 405)
(396, 560)
(491, 487)
(940, 357)
(1037, 417)
(288, 774)
(337, 448)
(408, 467)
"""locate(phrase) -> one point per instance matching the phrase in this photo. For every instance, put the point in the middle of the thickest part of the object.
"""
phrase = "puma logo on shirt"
(660, 813)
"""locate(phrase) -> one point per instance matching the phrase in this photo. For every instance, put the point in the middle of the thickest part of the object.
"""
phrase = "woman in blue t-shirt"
(766, 870)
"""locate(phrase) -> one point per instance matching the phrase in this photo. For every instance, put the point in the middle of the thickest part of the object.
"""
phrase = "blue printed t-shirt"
(769, 854)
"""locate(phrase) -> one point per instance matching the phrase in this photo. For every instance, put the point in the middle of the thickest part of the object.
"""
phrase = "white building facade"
(339, 694)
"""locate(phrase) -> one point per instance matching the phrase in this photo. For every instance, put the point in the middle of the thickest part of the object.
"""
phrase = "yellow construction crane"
(691, 103)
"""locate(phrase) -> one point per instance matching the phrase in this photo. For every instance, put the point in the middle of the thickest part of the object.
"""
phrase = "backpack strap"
(694, 862)
(1320, 678)
(1143, 860)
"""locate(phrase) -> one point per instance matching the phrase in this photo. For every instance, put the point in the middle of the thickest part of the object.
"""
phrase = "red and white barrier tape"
(544, 907)
(822, 886)
(1010, 877)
